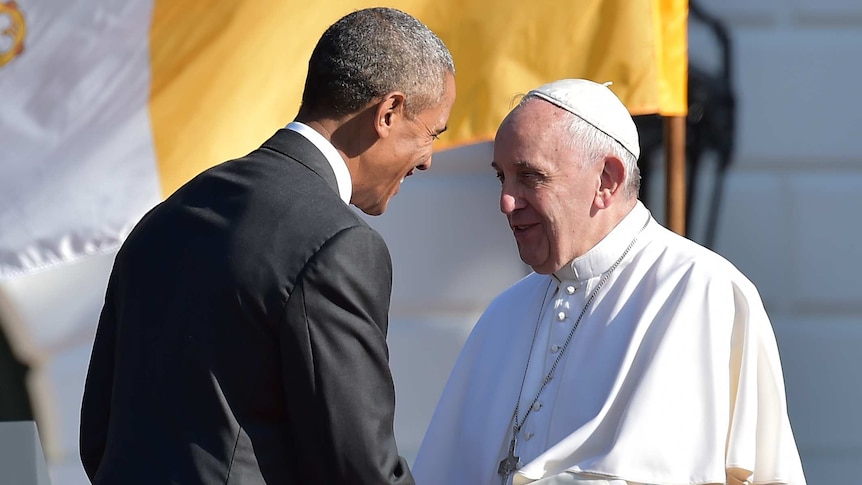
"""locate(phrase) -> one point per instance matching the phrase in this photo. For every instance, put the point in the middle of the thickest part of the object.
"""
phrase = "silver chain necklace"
(511, 462)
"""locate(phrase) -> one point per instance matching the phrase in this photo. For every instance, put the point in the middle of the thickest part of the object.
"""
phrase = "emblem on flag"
(12, 31)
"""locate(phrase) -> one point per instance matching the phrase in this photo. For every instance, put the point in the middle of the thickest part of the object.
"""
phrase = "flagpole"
(674, 144)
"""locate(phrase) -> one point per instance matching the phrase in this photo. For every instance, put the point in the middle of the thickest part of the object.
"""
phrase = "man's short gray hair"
(369, 53)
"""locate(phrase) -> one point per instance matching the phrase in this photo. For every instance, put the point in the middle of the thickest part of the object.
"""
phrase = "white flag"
(77, 166)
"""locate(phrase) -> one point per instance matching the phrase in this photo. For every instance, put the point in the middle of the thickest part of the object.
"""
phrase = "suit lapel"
(296, 147)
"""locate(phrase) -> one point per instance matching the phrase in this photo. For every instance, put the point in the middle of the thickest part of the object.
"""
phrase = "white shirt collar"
(342, 175)
(600, 258)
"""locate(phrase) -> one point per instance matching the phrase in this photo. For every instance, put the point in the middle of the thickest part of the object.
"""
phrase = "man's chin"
(372, 212)
(540, 267)
(375, 209)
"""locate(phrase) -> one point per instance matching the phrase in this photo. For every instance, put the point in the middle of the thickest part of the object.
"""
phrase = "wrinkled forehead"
(534, 118)
(527, 142)
(536, 124)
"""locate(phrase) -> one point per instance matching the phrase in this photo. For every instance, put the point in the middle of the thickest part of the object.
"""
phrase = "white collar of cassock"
(600, 258)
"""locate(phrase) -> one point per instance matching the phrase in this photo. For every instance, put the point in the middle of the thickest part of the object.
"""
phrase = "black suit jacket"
(242, 340)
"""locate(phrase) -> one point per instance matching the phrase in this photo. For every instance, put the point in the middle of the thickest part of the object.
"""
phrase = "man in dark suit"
(243, 337)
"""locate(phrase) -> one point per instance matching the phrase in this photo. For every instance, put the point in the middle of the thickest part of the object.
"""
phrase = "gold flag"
(227, 74)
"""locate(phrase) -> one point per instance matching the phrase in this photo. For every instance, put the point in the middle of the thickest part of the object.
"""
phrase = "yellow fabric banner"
(227, 74)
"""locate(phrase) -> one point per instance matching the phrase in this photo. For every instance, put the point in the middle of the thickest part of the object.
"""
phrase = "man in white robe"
(631, 355)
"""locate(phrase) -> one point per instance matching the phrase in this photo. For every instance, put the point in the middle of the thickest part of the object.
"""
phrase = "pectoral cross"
(509, 464)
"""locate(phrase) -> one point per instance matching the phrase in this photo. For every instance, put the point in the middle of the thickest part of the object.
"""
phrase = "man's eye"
(499, 176)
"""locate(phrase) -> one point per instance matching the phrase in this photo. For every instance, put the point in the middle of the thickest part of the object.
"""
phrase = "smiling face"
(405, 144)
(547, 192)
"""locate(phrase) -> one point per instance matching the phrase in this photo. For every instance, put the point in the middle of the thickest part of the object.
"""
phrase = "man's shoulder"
(676, 254)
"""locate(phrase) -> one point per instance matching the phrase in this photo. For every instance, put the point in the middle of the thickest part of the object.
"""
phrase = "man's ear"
(611, 182)
(389, 110)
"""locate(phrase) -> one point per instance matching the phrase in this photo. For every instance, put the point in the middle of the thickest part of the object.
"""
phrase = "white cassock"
(672, 376)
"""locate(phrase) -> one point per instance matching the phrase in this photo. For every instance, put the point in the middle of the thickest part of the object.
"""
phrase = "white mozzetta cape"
(673, 376)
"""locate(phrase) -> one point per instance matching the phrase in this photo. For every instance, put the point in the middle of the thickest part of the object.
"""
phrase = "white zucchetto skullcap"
(595, 104)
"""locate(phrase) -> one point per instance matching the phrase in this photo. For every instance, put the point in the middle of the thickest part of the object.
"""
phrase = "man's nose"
(425, 165)
(509, 202)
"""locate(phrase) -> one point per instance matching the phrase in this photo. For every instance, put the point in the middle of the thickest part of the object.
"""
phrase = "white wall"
(791, 219)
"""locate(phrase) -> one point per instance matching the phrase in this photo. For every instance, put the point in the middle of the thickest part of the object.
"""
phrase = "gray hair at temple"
(369, 53)
(594, 145)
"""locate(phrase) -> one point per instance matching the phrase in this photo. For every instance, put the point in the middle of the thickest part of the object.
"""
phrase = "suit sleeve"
(96, 402)
(342, 302)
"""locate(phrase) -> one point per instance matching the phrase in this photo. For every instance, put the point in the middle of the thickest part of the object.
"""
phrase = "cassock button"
(555, 348)
(537, 406)
(561, 316)
(570, 290)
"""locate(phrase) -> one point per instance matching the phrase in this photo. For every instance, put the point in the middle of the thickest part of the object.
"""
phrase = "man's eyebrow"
(518, 164)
